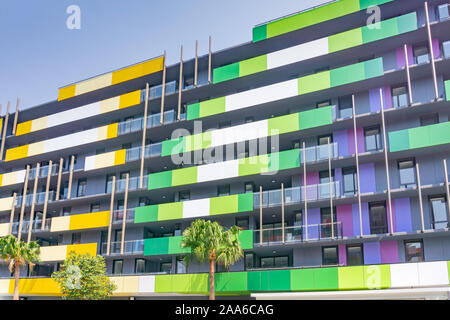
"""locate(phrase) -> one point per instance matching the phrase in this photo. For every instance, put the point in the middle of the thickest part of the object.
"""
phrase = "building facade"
(325, 139)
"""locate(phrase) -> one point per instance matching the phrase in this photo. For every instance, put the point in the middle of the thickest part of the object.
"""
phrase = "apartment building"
(325, 139)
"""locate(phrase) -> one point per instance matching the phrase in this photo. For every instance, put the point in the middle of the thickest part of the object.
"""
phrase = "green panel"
(407, 22)
(253, 165)
(326, 279)
(253, 65)
(184, 176)
(284, 160)
(351, 278)
(283, 124)
(181, 283)
(398, 140)
(345, 40)
(314, 82)
(439, 134)
(302, 280)
(198, 141)
(224, 205)
(380, 30)
(280, 280)
(258, 281)
(347, 74)
(373, 68)
(377, 276)
(212, 107)
(193, 111)
(448, 267)
(246, 239)
(226, 73)
(419, 137)
(146, 214)
(447, 90)
(231, 282)
(156, 246)
(245, 202)
(170, 211)
(163, 284)
(174, 146)
(160, 180)
(199, 283)
(260, 33)
(175, 246)
(316, 118)
(364, 4)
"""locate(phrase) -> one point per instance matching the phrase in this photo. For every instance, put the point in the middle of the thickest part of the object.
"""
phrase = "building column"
(430, 43)
(69, 187)
(305, 191)
(124, 218)
(180, 84)
(260, 215)
(111, 213)
(282, 214)
(47, 189)
(58, 185)
(196, 65)
(16, 116)
(5, 128)
(419, 189)
(357, 166)
(144, 137)
(24, 197)
(330, 189)
(13, 209)
(408, 74)
(33, 204)
(163, 96)
(210, 61)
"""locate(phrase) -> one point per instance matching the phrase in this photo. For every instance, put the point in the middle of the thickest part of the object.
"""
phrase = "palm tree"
(18, 253)
(209, 241)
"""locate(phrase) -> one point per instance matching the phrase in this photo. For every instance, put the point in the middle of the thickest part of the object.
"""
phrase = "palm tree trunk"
(16, 281)
(212, 291)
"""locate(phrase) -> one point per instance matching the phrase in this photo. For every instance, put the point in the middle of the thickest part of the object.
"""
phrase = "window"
(225, 124)
(249, 187)
(355, 255)
(296, 144)
(181, 265)
(446, 49)
(100, 151)
(249, 119)
(166, 267)
(346, 107)
(324, 187)
(223, 191)
(372, 139)
(275, 262)
(108, 186)
(407, 173)
(242, 223)
(414, 251)
(378, 218)
(249, 260)
(144, 201)
(66, 211)
(325, 220)
(95, 207)
(439, 212)
(81, 191)
(443, 12)
(117, 266)
(350, 181)
(429, 119)
(399, 97)
(421, 55)
(184, 196)
(76, 238)
(139, 266)
(330, 256)
(323, 140)
(322, 104)
(64, 191)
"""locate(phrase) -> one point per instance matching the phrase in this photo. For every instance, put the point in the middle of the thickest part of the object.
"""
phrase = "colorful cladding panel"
(447, 89)
(250, 131)
(316, 48)
(12, 178)
(311, 17)
(194, 208)
(172, 245)
(224, 170)
(90, 110)
(288, 89)
(112, 78)
(104, 160)
(6, 204)
(421, 137)
(80, 222)
(60, 253)
(59, 143)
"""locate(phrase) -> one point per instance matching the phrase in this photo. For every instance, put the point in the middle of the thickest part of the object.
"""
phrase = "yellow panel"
(112, 131)
(90, 248)
(55, 253)
(102, 133)
(89, 221)
(93, 84)
(41, 287)
(109, 105)
(6, 204)
(120, 157)
(104, 160)
(16, 153)
(125, 285)
(36, 148)
(60, 224)
(4, 229)
(4, 286)
(67, 92)
(130, 99)
(138, 70)
(23, 128)
(1, 179)
(39, 124)
(1, 127)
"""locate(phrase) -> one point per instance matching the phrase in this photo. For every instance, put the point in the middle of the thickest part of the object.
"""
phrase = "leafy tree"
(83, 277)
(17, 254)
(209, 241)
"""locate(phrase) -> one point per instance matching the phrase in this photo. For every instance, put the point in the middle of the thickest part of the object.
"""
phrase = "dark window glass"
(330, 256)
(350, 181)
(372, 138)
(82, 185)
(399, 97)
(95, 207)
(181, 265)
(140, 265)
(443, 12)
(446, 49)
(414, 251)
(275, 262)
(355, 255)
(325, 220)
(223, 191)
(66, 211)
(76, 238)
(249, 261)
(166, 267)
(242, 223)
(429, 119)
(117, 266)
(184, 196)
(323, 104)
(345, 107)
(144, 201)
(296, 144)
(421, 55)
(249, 187)
(439, 212)
(378, 218)
(323, 140)
(108, 186)
(407, 173)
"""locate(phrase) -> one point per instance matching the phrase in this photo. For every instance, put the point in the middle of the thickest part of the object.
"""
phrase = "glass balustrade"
(118, 215)
(153, 120)
(40, 198)
(130, 247)
(37, 226)
(320, 153)
(43, 171)
(133, 184)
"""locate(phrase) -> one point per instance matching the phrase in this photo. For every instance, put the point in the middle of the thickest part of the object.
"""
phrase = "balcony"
(320, 153)
(152, 121)
(37, 226)
(130, 247)
(43, 172)
(443, 12)
(133, 184)
(152, 150)
(118, 216)
(40, 199)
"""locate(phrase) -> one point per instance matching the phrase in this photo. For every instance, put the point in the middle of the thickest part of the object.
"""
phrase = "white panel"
(433, 273)
(21, 176)
(262, 95)
(71, 140)
(404, 275)
(60, 224)
(73, 114)
(4, 229)
(218, 171)
(298, 53)
(89, 163)
(245, 132)
(147, 284)
(196, 208)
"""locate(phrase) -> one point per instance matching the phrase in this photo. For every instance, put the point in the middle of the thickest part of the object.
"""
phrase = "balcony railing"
(43, 171)
(320, 153)
(130, 247)
(443, 12)
(40, 198)
(118, 216)
(316, 232)
(297, 194)
(133, 184)
(37, 226)
(152, 121)
(152, 150)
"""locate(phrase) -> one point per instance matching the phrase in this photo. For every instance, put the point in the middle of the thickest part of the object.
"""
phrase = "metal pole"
(282, 213)
(69, 187)
(210, 60)
(22, 209)
(111, 213)
(357, 167)
(196, 64)
(419, 189)
(124, 218)
(260, 215)
(305, 191)
(5, 128)
(16, 116)
(446, 189)
(47, 189)
(408, 75)
(180, 84)
(13, 209)
(144, 136)
(163, 89)
(430, 42)
(331, 189)
(33, 204)
(58, 185)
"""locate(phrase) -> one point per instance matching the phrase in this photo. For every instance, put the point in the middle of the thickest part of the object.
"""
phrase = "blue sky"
(39, 54)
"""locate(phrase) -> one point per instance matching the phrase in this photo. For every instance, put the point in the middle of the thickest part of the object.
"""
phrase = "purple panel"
(393, 217)
(389, 252)
(344, 214)
(341, 138)
(312, 180)
(342, 255)
(401, 63)
(338, 178)
(374, 98)
(365, 218)
(372, 253)
(436, 49)
(367, 177)
(387, 97)
(360, 140)
(403, 215)
(313, 223)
